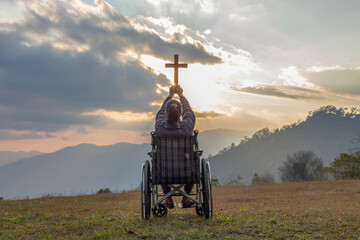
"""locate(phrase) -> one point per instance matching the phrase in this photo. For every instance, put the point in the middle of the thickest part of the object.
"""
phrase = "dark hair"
(173, 109)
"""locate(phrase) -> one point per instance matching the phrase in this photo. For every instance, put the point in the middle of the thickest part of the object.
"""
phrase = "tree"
(346, 166)
(301, 166)
(266, 178)
(255, 179)
(326, 110)
(261, 134)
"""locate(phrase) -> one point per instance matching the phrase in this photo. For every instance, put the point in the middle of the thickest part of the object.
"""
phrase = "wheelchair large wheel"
(145, 190)
(206, 188)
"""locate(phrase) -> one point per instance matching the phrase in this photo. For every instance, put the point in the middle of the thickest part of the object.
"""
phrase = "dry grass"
(312, 210)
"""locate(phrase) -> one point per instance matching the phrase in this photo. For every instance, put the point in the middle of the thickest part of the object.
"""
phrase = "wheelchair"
(175, 161)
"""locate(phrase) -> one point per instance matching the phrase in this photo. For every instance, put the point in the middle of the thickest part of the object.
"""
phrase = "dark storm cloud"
(11, 135)
(337, 80)
(47, 88)
(290, 92)
(44, 89)
(109, 33)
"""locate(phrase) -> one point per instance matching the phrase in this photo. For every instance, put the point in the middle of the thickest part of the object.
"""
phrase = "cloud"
(124, 120)
(237, 120)
(291, 92)
(326, 33)
(65, 58)
(207, 114)
(82, 130)
(102, 30)
(145, 134)
(176, 38)
(6, 134)
(50, 88)
(336, 80)
(204, 8)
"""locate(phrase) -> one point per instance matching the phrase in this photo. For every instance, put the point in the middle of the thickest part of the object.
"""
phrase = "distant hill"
(10, 157)
(327, 131)
(212, 141)
(84, 168)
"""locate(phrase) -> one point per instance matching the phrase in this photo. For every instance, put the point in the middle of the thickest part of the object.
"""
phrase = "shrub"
(346, 166)
(266, 178)
(215, 181)
(105, 190)
(233, 181)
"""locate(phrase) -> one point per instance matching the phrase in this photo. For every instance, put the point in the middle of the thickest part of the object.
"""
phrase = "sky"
(80, 71)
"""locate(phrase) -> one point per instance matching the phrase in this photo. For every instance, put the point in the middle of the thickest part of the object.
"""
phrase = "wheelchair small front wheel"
(199, 211)
(160, 210)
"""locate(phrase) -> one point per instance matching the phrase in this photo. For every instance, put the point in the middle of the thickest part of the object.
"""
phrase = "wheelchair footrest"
(191, 206)
(177, 194)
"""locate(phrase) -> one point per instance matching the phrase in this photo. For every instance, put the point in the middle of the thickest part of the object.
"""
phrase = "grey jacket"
(180, 128)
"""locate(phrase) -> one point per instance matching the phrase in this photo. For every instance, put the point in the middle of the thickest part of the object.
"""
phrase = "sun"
(201, 84)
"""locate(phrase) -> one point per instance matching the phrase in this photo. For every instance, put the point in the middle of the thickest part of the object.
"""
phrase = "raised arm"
(160, 116)
(188, 114)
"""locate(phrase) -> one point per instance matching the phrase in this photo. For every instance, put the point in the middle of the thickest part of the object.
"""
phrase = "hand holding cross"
(175, 90)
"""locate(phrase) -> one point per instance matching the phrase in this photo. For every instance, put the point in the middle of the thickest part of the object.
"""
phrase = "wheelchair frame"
(150, 194)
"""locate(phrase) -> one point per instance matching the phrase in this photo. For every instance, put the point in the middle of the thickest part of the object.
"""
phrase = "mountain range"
(212, 141)
(327, 132)
(7, 157)
(86, 168)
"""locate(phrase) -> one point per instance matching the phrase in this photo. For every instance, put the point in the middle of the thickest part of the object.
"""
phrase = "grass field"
(311, 210)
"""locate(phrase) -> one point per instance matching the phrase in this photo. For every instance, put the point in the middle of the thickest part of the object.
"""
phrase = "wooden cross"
(176, 65)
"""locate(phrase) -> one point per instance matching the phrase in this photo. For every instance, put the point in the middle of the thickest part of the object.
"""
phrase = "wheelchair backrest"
(174, 160)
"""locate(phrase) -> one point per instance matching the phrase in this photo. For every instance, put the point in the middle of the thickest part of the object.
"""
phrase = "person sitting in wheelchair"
(170, 124)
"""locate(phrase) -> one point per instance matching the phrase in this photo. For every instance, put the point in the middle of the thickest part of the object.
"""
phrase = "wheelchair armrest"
(199, 151)
(151, 153)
